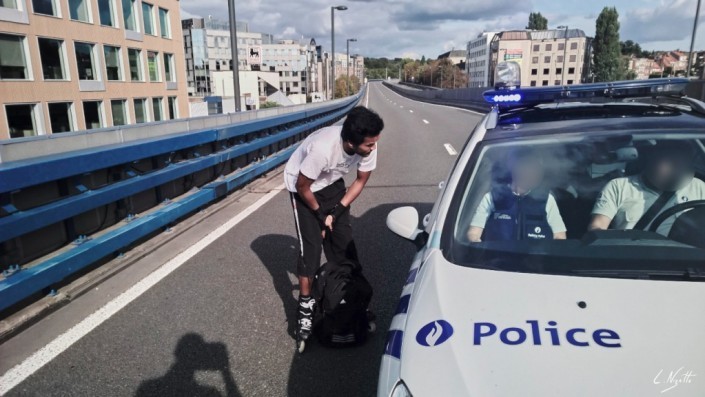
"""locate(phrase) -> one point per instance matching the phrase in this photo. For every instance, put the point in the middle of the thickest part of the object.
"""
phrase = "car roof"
(581, 117)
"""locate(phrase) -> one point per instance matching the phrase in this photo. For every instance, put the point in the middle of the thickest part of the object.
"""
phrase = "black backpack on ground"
(342, 294)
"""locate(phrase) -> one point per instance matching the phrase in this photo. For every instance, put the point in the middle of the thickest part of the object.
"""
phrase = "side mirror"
(404, 221)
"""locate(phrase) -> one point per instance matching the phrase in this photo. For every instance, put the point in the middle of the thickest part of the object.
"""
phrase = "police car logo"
(434, 333)
(537, 230)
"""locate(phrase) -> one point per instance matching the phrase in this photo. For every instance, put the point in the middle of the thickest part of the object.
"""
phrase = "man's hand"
(327, 225)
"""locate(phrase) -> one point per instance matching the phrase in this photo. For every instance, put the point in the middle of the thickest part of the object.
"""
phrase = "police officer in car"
(633, 202)
(521, 209)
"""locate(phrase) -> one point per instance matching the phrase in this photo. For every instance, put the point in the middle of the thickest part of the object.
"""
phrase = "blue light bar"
(522, 97)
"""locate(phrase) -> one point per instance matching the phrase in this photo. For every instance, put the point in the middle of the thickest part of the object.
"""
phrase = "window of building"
(537, 47)
(52, 56)
(134, 57)
(549, 47)
(119, 109)
(13, 62)
(571, 70)
(113, 69)
(544, 83)
(169, 74)
(559, 70)
(557, 82)
(535, 60)
(570, 81)
(559, 59)
(60, 117)
(164, 25)
(140, 110)
(45, 7)
(572, 58)
(105, 9)
(8, 4)
(573, 46)
(534, 72)
(148, 17)
(533, 83)
(78, 10)
(22, 120)
(561, 46)
(546, 71)
(157, 109)
(173, 110)
(547, 59)
(92, 114)
(85, 61)
(128, 15)
(153, 65)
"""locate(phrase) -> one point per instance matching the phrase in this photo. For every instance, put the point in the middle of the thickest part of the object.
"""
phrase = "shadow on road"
(193, 354)
(386, 259)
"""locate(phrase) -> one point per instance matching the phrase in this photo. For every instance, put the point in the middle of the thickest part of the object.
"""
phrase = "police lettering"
(549, 335)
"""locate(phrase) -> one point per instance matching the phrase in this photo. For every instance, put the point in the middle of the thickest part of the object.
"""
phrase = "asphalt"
(222, 323)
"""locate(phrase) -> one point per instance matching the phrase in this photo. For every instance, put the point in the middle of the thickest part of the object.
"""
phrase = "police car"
(536, 275)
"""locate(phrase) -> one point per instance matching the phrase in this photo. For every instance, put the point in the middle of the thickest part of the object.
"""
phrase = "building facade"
(546, 57)
(478, 60)
(85, 64)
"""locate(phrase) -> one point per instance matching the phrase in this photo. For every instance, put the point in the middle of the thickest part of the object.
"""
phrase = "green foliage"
(269, 104)
(341, 86)
(606, 47)
(537, 21)
(381, 68)
(440, 73)
(629, 48)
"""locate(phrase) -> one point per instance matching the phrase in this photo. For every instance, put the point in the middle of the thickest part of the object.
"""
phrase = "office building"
(546, 57)
(83, 64)
(478, 60)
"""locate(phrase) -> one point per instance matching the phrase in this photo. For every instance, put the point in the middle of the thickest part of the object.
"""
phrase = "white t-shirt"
(486, 208)
(625, 200)
(321, 157)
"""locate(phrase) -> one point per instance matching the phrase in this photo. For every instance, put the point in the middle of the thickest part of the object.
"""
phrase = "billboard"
(254, 55)
(514, 55)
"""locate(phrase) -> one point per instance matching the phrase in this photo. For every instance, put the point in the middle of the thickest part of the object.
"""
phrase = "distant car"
(509, 308)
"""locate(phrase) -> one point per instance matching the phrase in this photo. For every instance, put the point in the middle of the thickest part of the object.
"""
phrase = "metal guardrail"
(260, 145)
(465, 98)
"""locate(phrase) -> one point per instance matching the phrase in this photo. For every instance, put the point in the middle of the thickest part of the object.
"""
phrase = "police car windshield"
(618, 205)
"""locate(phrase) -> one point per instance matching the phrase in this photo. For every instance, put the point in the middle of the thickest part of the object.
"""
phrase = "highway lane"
(222, 323)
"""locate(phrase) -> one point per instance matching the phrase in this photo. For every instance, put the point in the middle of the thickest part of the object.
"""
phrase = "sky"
(415, 28)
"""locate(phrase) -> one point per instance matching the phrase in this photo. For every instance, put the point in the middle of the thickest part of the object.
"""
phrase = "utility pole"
(347, 63)
(332, 45)
(565, 52)
(692, 40)
(234, 54)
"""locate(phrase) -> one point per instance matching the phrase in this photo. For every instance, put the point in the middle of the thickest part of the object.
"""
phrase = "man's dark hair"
(361, 123)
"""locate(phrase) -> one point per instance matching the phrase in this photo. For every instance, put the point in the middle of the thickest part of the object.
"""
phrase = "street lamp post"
(347, 62)
(234, 53)
(565, 49)
(332, 44)
(692, 40)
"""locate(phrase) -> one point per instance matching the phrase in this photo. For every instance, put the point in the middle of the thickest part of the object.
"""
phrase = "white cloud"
(395, 28)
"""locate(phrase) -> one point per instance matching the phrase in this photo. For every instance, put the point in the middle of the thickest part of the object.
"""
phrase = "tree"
(606, 48)
(341, 86)
(537, 21)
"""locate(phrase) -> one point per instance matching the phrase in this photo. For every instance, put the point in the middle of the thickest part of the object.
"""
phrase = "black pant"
(337, 245)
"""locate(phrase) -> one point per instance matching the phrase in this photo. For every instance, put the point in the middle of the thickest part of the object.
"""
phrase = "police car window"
(533, 200)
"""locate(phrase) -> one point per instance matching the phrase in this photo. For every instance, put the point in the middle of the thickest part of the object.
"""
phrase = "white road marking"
(367, 97)
(411, 111)
(32, 364)
(401, 106)
(425, 121)
(450, 149)
(442, 106)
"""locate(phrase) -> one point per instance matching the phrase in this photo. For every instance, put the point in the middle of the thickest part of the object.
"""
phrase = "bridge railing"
(70, 201)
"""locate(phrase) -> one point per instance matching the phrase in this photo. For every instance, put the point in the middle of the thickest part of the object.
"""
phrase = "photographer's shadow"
(193, 354)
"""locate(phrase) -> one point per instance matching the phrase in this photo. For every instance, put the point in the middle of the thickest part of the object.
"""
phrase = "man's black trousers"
(337, 245)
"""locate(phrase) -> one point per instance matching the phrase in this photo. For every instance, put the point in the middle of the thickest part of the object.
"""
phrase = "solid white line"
(425, 121)
(367, 97)
(450, 149)
(32, 364)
